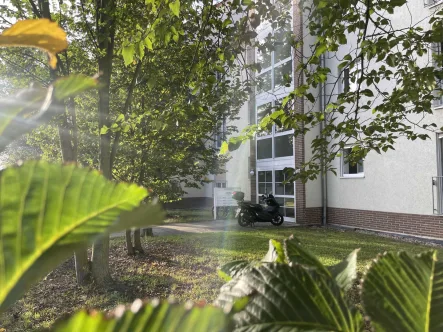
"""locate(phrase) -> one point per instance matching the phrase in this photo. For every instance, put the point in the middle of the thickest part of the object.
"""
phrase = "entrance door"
(272, 181)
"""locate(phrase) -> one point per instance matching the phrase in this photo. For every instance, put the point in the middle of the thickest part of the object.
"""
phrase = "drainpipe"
(323, 173)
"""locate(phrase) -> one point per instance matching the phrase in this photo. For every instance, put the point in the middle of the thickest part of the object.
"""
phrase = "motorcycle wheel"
(278, 220)
(241, 221)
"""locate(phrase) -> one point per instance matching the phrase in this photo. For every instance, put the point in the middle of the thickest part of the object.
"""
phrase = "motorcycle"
(249, 213)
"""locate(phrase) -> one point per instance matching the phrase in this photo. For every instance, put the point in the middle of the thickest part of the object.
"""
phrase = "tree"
(194, 49)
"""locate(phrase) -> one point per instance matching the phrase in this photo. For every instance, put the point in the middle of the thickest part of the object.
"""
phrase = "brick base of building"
(402, 223)
(309, 216)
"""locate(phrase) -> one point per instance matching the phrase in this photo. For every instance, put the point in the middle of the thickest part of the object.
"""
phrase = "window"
(437, 52)
(220, 134)
(345, 84)
(274, 142)
(281, 187)
(264, 182)
(220, 184)
(349, 170)
(431, 2)
(276, 65)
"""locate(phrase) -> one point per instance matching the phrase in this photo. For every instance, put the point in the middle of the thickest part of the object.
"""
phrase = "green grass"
(188, 215)
(183, 267)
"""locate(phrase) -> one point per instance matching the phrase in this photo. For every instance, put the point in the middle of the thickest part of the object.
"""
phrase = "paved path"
(207, 227)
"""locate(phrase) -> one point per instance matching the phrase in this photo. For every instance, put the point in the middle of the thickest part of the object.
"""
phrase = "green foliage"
(294, 291)
(47, 211)
(150, 317)
(410, 289)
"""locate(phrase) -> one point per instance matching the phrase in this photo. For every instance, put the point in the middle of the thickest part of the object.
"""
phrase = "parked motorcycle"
(249, 213)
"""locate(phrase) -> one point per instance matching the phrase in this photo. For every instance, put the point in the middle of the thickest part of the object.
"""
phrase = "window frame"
(223, 184)
(344, 81)
(437, 48)
(273, 133)
(220, 134)
(264, 32)
(359, 175)
(432, 3)
(284, 197)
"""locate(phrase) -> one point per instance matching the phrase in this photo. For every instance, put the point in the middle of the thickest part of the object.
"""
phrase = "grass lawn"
(188, 215)
(183, 267)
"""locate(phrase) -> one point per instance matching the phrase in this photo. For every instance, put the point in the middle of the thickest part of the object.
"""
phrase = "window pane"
(289, 202)
(264, 58)
(282, 46)
(283, 74)
(279, 189)
(268, 188)
(350, 168)
(290, 213)
(261, 176)
(283, 146)
(289, 189)
(279, 176)
(262, 111)
(264, 148)
(264, 82)
(269, 176)
(261, 188)
(280, 200)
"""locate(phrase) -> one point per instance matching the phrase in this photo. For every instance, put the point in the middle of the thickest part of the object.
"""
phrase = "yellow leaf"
(42, 33)
(224, 148)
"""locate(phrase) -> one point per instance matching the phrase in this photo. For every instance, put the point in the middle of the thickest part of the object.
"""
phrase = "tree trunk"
(147, 232)
(129, 247)
(68, 143)
(81, 265)
(137, 241)
(105, 39)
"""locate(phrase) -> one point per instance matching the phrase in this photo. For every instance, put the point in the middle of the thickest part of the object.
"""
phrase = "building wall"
(397, 181)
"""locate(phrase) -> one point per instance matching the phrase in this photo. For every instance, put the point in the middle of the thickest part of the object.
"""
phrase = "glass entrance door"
(273, 181)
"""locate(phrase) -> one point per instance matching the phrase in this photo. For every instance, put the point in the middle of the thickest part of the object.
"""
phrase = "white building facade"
(399, 191)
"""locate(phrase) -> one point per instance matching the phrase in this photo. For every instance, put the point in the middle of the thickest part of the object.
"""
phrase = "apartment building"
(399, 191)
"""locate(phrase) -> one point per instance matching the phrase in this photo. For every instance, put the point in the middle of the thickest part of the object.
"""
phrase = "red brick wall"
(410, 224)
(303, 216)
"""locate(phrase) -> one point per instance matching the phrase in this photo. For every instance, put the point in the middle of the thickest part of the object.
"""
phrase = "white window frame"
(344, 81)
(437, 48)
(223, 184)
(273, 133)
(432, 3)
(343, 175)
(263, 33)
(273, 169)
(220, 134)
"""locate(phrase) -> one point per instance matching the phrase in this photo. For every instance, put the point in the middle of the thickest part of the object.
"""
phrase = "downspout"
(323, 173)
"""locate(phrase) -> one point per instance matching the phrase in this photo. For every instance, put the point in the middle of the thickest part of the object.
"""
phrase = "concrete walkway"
(208, 227)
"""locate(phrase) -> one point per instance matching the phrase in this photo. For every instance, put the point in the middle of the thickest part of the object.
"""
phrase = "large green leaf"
(403, 293)
(275, 253)
(289, 298)
(47, 211)
(236, 268)
(344, 272)
(296, 254)
(150, 318)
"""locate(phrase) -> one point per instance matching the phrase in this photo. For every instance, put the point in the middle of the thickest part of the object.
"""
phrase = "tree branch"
(125, 110)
